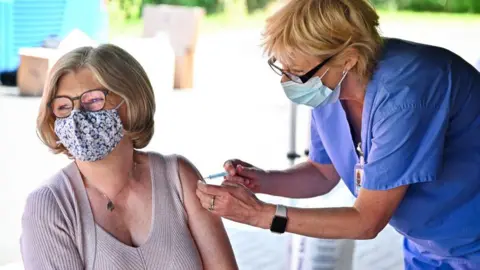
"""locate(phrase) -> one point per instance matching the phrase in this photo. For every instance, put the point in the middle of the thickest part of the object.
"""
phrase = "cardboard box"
(156, 57)
(184, 71)
(33, 70)
(35, 63)
(182, 25)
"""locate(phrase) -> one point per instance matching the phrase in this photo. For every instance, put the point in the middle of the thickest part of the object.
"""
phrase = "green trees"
(132, 8)
(456, 6)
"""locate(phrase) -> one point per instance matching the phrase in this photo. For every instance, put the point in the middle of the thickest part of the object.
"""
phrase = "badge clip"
(358, 177)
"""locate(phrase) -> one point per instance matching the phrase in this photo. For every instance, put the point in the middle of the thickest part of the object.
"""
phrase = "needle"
(217, 175)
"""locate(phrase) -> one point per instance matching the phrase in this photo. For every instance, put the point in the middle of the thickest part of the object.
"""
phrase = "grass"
(220, 22)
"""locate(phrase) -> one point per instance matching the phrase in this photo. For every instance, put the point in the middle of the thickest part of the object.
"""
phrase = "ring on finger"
(212, 203)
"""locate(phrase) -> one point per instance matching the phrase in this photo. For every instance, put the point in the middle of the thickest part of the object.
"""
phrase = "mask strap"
(324, 73)
(121, 103)
(344, 74)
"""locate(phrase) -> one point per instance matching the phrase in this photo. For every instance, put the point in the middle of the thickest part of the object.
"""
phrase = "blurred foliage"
(131, 9)
(211, 6)
(254, 5)
(452, 6)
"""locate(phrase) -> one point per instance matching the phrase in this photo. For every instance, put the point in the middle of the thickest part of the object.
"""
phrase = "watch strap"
(281, 211)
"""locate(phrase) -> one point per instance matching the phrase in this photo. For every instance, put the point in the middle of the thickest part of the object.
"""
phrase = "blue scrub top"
(420, 127)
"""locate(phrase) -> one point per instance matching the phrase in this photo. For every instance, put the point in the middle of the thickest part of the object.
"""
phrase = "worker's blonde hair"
(117, 71)
(323, 28)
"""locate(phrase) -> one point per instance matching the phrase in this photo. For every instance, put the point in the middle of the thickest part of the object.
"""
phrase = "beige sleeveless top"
(62, 212)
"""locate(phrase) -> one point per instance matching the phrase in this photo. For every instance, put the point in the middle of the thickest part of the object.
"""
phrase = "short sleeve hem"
(404, 182)
(406, 147)
(320, 159)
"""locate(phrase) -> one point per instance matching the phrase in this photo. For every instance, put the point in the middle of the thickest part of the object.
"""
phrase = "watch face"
(279, 224)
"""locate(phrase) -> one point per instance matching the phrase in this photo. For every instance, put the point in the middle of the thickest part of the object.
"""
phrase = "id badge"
(358, 177)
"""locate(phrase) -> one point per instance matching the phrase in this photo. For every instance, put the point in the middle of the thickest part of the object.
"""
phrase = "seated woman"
(114, 207)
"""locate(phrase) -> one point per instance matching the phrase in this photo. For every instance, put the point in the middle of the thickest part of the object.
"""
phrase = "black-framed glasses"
(91, 100)
(296, 78)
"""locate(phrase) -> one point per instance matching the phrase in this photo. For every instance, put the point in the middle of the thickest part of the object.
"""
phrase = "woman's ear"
(350, 58)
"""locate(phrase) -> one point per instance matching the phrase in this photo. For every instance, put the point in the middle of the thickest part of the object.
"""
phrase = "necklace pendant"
(110, 206)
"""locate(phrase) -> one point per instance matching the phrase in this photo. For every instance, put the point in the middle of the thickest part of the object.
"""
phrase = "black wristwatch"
(279, 222)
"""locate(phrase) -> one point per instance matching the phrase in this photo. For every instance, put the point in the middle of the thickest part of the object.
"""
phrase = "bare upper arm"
(376, 207)
(328, 171)
(207, 229)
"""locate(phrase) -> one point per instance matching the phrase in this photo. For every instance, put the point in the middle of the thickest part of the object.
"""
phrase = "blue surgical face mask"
(313, 92)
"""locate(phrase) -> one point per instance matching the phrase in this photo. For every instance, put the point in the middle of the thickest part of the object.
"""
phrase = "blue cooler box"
(27, 23)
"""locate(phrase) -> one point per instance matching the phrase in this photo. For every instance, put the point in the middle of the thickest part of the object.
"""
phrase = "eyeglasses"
(298, 79)
(91, 100)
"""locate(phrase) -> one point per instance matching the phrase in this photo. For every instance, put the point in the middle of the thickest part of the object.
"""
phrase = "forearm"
(328, 223)
(301, 181)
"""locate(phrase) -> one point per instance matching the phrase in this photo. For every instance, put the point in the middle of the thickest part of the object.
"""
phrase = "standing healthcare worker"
(397, 121)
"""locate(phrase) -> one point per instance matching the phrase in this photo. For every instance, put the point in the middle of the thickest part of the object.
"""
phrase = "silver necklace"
(110, 204)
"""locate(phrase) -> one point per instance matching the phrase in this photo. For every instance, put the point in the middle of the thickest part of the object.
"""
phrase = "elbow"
(368, 234)
(369, 225)
(370, 230)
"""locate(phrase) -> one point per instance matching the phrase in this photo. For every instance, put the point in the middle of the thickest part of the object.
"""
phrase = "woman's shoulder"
(179, 172)
(49, 200)
(178, 166)
(409, 61)
(40, 204)
(411, 74)
(403, 52)
(179, 161)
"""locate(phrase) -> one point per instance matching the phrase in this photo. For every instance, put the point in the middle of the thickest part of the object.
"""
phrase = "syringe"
(217, 175)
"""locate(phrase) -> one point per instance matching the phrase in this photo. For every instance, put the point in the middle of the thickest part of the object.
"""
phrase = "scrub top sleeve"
(317, 152)
(407, 146)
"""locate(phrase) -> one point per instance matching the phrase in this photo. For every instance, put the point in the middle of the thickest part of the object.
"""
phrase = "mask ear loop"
(339, 85)
(344, 74)
(321, 77)
(118, 106)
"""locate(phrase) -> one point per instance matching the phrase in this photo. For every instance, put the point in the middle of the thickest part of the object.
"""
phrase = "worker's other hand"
(240, 172)
(235, 202)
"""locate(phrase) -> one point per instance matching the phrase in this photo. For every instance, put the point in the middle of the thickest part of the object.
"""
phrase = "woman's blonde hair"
(117, 71)
(323, 28)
